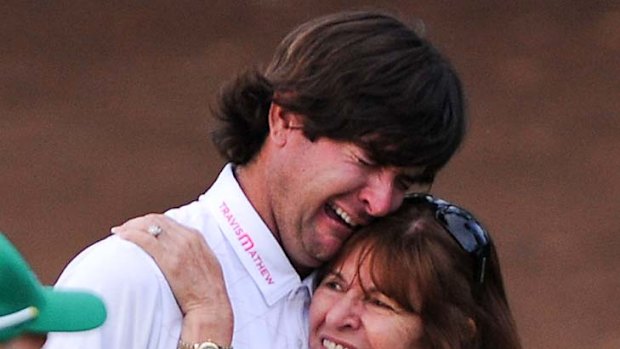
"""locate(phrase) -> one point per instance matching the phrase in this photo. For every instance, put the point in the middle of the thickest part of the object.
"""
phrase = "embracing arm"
(193, 273)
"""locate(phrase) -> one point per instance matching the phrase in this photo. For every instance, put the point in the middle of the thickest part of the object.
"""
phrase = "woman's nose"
(345, 314)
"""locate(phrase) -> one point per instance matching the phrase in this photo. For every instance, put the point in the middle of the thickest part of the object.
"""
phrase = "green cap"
(26, 306)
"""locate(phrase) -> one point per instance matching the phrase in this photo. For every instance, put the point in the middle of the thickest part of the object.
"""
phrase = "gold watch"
(204, 345)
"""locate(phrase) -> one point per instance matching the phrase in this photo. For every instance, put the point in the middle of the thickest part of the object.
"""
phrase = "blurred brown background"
(104, 115)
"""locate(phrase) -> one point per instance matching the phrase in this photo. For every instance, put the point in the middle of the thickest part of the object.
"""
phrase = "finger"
(143, 239)
(142, 222)
(177, 232)
(181, 236)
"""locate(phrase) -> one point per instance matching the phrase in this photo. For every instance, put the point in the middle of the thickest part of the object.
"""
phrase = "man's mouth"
(341, 215)
(332, 345)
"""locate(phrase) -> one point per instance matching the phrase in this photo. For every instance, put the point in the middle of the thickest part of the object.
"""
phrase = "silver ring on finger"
(155, 230)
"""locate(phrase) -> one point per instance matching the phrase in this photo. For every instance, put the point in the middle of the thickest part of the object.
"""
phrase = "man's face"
(322, 191)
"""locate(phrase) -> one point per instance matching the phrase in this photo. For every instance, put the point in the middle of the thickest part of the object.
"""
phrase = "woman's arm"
(193, 272)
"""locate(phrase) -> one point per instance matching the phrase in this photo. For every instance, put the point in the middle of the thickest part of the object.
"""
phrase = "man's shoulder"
(111, 263)
(141, 308)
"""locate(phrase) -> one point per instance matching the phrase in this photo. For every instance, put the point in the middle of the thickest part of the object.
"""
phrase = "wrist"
(217, 324)
(203, 345)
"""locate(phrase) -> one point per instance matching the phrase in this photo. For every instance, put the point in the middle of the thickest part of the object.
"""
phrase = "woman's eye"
(379, 303)
(332, 285)
(383, 302)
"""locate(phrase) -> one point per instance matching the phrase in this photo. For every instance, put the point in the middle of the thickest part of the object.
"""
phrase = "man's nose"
(379, 195)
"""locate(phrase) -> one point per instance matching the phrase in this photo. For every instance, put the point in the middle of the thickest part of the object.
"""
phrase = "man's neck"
(253, 183)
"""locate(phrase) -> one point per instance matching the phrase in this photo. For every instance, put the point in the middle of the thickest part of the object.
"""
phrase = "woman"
(427, 276)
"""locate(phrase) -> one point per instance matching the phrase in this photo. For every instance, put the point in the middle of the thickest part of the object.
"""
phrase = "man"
(29, 310)
(352, 113)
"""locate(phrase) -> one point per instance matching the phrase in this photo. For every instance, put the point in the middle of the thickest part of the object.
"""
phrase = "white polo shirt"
(269, 300)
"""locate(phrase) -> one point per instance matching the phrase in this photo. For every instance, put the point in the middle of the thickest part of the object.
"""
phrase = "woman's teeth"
(331, 345)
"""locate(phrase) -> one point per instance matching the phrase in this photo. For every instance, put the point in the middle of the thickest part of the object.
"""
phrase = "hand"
(193, 273)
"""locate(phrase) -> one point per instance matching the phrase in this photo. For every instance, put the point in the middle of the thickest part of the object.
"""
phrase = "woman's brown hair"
(416, 261)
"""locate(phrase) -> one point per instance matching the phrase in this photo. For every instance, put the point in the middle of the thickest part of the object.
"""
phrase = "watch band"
(203, 345)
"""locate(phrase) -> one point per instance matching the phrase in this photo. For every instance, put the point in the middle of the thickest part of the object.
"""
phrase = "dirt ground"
(104, 115)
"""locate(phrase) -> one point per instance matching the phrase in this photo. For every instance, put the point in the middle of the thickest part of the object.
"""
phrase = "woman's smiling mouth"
(332, 345)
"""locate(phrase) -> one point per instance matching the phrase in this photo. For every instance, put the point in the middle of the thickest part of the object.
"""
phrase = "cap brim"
(68, 311)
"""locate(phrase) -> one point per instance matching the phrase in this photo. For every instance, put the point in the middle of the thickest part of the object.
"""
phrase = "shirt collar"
(254, 244)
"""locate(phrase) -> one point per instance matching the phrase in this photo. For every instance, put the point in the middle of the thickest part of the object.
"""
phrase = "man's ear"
(281, 122)
(472, 327)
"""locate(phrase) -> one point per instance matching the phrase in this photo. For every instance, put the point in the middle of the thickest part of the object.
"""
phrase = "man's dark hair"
(361, 77)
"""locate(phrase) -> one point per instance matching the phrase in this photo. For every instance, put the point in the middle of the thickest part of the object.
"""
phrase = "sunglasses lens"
(465, 230)
(463, 227)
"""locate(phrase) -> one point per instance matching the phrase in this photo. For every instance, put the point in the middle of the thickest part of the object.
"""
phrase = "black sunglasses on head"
(464, 228)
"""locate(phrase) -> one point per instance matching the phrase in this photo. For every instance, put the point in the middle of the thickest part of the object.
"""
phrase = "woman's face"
(347, 311)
